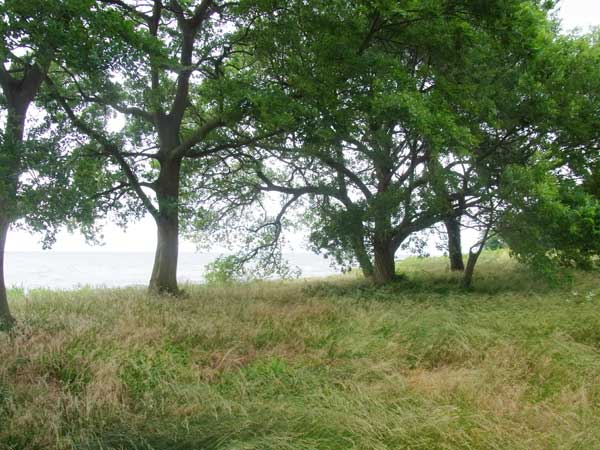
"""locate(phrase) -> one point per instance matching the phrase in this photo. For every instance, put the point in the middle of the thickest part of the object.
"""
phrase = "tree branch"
(109, 148)
(196, 137)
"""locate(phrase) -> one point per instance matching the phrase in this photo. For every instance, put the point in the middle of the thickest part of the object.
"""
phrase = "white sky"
(141, 237)
(579, 14)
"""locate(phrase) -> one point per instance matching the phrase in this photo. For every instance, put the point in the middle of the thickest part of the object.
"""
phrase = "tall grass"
(320, 364)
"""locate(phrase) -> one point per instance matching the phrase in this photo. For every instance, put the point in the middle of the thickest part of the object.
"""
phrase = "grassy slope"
(334, 364)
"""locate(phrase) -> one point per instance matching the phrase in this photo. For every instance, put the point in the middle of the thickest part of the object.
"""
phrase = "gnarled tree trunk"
(470, 269)
(385, 264)
(454, 244)
(474, 253)
(164, 272)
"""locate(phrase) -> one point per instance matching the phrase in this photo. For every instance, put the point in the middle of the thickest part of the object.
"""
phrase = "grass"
(320, 364)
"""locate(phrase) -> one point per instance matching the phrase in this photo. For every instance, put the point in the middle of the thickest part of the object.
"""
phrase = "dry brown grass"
(308, 365)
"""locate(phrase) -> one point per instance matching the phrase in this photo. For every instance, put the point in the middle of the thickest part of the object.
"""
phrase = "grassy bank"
(332, 364)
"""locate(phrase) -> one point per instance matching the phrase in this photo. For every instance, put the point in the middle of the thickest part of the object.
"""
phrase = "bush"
(224, 269)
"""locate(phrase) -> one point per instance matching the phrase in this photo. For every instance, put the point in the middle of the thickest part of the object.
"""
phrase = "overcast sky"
(579, 14)
(140, 237)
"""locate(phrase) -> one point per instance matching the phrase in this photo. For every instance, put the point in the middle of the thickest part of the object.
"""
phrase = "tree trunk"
(6, 319)
(474, 255)
(454, 244)
(470, 269)
(9, 178)
(164, 272)
(385, 264)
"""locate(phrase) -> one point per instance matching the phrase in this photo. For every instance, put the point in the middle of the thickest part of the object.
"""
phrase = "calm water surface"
(58, 270)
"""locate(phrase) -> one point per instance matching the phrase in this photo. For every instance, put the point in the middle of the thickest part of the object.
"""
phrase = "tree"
(19, 87)
(574, 68)
(187, 83)
(551, 223)
(34, 162)
(380, 146)
(553, 205)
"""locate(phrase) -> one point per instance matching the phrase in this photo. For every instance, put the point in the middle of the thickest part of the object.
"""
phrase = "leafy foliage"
(403, 114)
(559, 225)
(369, 122)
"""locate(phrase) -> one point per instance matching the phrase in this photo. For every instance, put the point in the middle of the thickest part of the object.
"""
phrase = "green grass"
(320, 364)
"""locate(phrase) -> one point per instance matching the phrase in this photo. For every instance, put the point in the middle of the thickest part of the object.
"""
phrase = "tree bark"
(385, 264)
(164, 272)
(6, 319)
(474, 256)
(454, 244)
(9, 178)
(470, 269)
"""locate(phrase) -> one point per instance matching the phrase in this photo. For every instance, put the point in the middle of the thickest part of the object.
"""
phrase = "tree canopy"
(40, 165)
(370, 121)
(397, 117)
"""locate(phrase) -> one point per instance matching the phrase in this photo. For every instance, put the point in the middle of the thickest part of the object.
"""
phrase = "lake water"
(58, 270)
